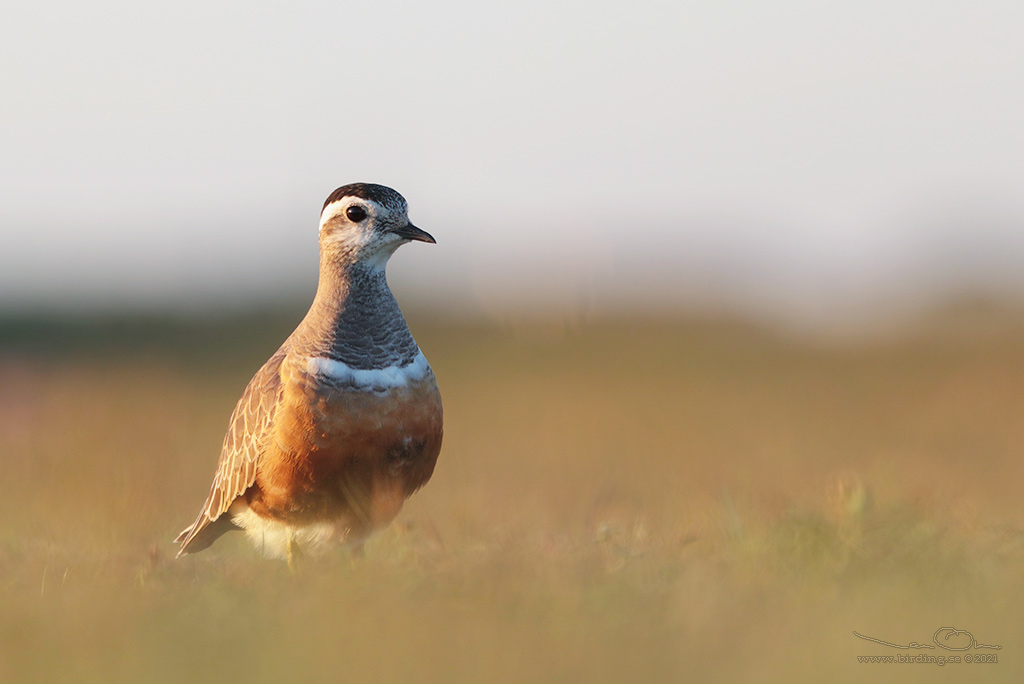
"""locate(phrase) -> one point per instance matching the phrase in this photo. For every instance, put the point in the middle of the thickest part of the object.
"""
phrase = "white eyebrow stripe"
(370, 378)
(332, 210)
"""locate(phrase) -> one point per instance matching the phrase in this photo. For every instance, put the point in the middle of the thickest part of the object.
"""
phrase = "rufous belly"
(344, 459)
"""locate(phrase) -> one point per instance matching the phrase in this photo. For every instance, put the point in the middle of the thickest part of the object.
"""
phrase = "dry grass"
(625, 501)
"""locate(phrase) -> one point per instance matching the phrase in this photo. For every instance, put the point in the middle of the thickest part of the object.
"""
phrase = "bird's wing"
(244, 442)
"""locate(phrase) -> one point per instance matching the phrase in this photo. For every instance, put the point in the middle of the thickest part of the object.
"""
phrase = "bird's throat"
(355, 319)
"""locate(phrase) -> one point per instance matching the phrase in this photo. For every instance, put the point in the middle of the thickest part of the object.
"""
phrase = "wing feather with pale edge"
(243, 444)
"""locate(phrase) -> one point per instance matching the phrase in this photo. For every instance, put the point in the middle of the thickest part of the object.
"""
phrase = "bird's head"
(365, 223)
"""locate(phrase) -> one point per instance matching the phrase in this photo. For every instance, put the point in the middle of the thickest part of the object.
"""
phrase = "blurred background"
(796, 161)
(727, 310)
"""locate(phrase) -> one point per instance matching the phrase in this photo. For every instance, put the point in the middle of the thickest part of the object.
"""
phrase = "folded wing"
(247, 435)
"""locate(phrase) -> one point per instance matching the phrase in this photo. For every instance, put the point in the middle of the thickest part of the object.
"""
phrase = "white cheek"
(345, 236)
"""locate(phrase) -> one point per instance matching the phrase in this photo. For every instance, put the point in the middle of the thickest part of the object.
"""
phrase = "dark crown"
(381, 194)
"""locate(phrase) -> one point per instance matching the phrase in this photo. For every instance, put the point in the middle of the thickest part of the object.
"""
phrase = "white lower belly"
(271, 536)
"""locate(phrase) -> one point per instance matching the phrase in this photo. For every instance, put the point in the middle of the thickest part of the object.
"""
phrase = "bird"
(344, 422)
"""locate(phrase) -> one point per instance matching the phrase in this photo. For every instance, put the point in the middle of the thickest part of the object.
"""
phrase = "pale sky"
(790, 157)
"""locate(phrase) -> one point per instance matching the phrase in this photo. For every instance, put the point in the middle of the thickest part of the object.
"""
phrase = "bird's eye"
(355, 213)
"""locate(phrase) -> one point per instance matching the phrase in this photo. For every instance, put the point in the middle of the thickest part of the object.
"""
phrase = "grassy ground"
(677, 500)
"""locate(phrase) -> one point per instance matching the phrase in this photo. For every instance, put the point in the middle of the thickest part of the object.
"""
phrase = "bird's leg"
(292, 552)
